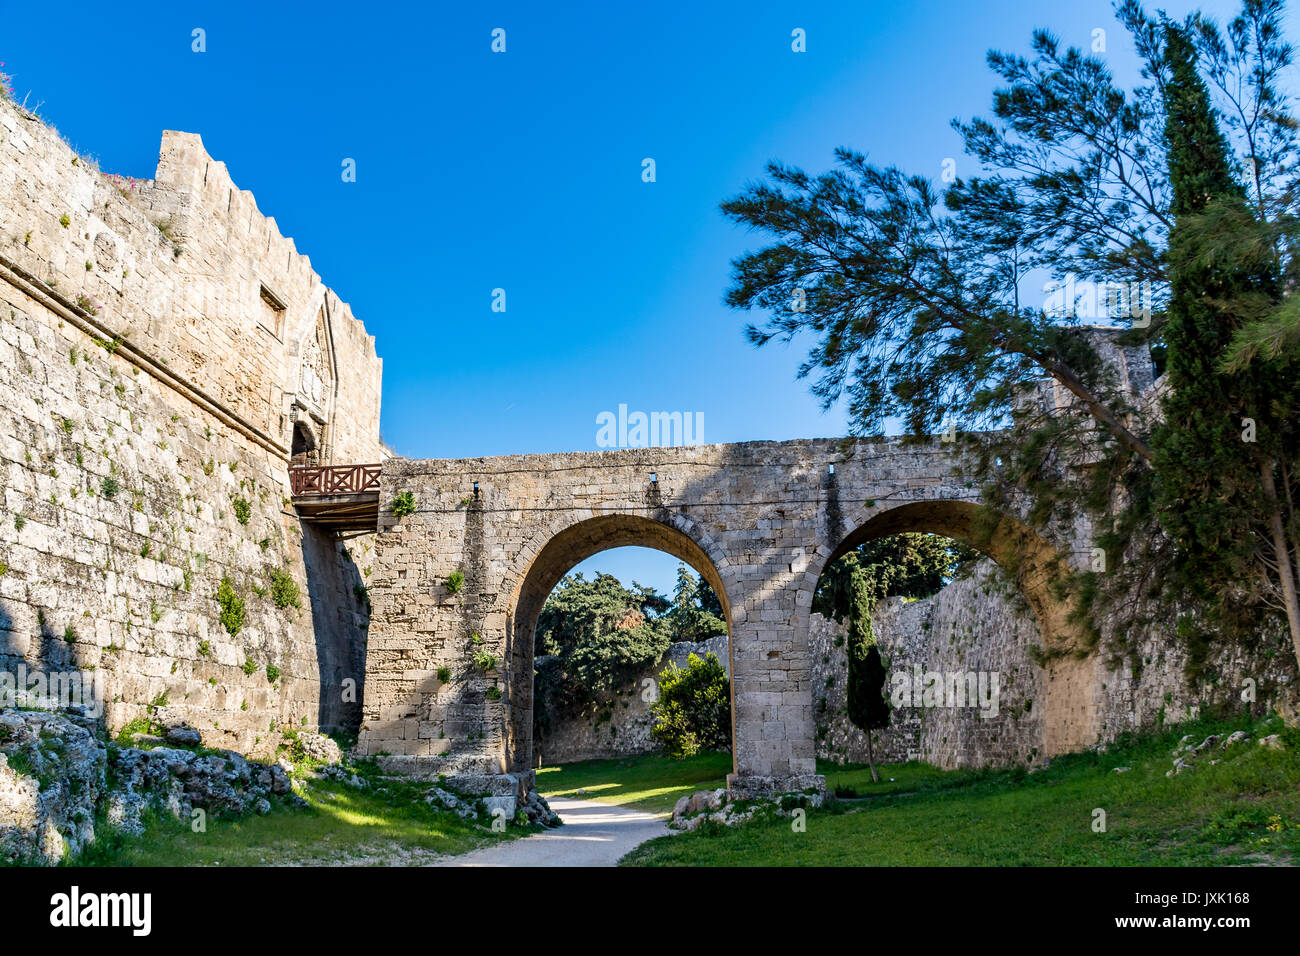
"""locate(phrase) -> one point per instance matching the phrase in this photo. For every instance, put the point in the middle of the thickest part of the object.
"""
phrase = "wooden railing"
(333, 479)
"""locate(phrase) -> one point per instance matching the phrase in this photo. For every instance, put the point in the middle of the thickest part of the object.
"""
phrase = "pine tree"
(913, 299)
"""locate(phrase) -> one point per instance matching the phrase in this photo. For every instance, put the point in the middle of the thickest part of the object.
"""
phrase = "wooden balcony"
(341, 498)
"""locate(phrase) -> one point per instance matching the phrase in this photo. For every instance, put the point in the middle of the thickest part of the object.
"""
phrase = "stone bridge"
(449, 679)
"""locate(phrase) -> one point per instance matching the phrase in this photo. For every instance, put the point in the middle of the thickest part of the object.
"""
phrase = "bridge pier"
(773, 726)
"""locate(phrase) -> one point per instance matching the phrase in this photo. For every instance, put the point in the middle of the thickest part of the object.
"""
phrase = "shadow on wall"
(340, 611)
(54, 653)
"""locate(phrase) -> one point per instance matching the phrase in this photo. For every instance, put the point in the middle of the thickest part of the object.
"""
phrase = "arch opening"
(912, 616)
(304, 450)
(557, 558)
(1017, 549)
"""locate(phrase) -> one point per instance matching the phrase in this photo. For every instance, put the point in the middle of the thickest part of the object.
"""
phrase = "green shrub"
(250, 667)
(455, 581)
(110, 487)
(243, 510)
(485, 661)
(272, 673)
(232, 607)
(693, 712)
(363, 597)
(284, 589)
(403, 504)
(444, 675)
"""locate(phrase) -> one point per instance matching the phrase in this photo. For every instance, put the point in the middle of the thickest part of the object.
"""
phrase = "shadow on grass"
(341, 825)
(649, 782)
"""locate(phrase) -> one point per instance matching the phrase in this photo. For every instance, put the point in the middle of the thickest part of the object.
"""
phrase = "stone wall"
(622, 728)
(973, 625)
(161, 338)
(968, 626)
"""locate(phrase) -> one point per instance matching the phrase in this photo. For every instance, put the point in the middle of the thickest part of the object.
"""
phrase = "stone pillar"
(772, 684)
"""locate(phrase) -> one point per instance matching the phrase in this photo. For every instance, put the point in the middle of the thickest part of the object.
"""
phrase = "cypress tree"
(1215, 491)
(868, 709)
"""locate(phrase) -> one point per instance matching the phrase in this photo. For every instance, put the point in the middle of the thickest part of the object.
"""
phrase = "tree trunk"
(1282, 553)
(871, 760)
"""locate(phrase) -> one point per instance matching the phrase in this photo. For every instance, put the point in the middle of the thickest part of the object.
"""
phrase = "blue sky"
(522, 171)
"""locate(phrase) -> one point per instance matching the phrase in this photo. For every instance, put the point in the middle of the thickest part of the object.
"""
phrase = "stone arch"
(550, 555)
(1033, 562)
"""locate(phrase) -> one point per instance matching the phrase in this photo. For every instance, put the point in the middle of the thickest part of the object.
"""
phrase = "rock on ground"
(51, 779)
(56, 773)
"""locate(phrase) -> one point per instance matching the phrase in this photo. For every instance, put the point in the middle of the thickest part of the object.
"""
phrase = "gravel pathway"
(594, 834)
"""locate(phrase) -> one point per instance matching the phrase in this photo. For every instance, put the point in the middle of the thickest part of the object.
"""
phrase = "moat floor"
(594, 834)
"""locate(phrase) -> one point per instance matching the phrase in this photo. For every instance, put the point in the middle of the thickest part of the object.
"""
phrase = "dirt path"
(594, 834)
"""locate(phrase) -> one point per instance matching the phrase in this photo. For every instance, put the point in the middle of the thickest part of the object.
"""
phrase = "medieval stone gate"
(450, 664)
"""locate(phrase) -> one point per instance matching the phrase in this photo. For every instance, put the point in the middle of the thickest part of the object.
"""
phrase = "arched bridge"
(448, 685)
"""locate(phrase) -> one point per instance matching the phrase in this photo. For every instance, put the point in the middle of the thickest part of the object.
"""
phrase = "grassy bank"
(341, 826)
(1243, 810)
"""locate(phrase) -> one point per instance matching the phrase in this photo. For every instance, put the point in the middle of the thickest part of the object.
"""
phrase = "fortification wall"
(972, 625)
(966, 627)
(160, 339)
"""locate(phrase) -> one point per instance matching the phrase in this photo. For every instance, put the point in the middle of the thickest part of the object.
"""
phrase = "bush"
(243, 510)
(693, 712)
(110, 487)
(272, 673)
(232, 607)
(593, 638)
(284, 589)
(403, 504)
(455, 581)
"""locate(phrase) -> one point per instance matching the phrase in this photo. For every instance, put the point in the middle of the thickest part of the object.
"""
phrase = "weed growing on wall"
(403, 504)
(284, 589)
(232, 607)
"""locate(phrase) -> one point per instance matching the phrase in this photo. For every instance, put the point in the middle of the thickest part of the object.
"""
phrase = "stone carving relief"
(316, 382)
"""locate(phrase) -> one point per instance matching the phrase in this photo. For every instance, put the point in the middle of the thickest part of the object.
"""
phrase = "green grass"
(652, 782)
(852, 781)
(343, 825)
(1245, 810)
